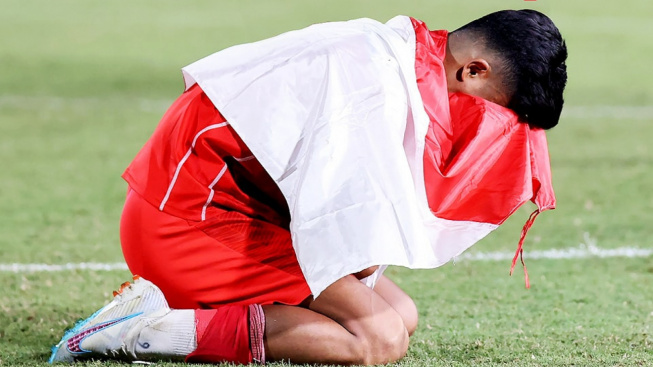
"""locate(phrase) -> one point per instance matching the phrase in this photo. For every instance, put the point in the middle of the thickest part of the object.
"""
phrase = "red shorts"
(238, 251)
(227, 259)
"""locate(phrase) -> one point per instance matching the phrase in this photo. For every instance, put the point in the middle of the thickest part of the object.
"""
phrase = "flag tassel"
(520, 250)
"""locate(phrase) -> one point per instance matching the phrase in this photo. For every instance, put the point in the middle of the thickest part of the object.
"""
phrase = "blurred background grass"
(84, 83)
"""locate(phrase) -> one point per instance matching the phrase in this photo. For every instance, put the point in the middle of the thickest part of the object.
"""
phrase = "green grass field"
(84, 83)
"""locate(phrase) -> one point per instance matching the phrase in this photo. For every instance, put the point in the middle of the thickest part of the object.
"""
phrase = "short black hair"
(534, 54)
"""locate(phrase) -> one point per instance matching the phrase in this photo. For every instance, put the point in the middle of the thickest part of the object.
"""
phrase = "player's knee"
(410, 316)
(388, 344)
(395, 346)
(406, 307)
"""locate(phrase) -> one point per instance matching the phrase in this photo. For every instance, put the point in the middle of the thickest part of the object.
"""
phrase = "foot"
(112, 331)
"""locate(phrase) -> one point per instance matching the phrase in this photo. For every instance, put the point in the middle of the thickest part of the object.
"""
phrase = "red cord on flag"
(520, 250)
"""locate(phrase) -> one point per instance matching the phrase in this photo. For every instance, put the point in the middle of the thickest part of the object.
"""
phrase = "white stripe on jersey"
(183, 160)
(215, 181)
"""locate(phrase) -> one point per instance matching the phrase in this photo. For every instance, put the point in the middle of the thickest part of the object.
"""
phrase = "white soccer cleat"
(112, 331)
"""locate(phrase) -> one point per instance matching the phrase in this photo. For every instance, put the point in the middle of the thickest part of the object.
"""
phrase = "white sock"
(170, 336)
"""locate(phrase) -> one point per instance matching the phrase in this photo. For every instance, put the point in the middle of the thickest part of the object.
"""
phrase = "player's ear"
(476, 78)
(474, 70)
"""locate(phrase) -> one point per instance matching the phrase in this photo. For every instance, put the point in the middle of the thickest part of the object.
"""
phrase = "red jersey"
(177, 170)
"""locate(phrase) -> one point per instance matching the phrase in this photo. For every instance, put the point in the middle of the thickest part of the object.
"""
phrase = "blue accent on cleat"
(71, 332)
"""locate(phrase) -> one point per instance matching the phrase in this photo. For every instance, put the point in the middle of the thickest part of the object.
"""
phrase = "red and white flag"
(373, 173)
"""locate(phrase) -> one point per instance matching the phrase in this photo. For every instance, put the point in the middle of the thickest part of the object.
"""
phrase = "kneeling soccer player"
(293, 171)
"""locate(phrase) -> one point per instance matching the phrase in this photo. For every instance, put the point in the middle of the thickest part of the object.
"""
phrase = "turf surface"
(83, 84)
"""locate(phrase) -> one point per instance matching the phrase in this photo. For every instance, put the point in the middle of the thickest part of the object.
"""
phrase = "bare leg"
(399, 300)
(348, 323)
